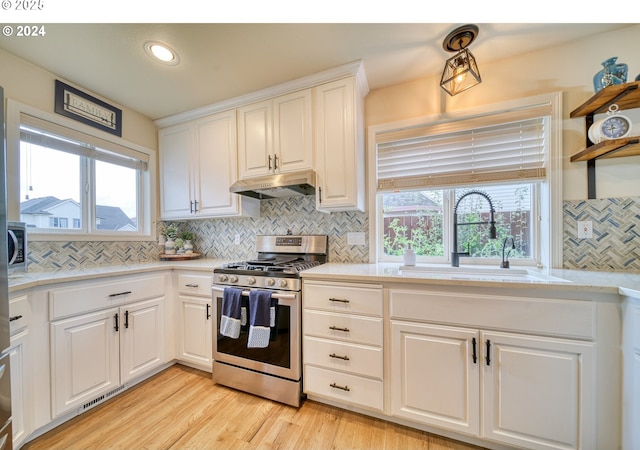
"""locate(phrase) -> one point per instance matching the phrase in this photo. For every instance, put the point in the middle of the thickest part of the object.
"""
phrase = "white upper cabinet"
(276, 135)
(339, 145)
(197, 166)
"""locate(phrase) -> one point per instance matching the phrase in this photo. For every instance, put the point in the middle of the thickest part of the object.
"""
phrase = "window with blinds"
(423, 169)
(76, 183)
(430, 157)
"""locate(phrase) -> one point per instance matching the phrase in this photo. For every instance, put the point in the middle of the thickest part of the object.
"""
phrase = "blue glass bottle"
(610, 74)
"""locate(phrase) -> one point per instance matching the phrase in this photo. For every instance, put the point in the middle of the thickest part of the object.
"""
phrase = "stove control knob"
(282, 283)
(251, 280)
(270, 281)
(233, 279)
(222, 278)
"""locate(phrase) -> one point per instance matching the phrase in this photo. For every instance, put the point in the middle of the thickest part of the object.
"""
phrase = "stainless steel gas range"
(273, 371)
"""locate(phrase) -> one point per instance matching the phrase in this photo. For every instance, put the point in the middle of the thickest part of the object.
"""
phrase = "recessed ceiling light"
(161, 52)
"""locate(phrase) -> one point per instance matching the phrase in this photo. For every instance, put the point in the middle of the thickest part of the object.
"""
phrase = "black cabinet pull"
(208, 309)
(346, 330)
(344, 388)
(191, 285)
(339, 300)
(120, 293)
(344, 358)
(275, 162)
(126, 319)
(269, 162)
(475, 354)
(488, 356)
(191, 207)
(11, 319)
(320, 195)
(195, 206)
(115, 317)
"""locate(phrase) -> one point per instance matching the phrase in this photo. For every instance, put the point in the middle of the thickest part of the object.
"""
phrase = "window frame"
(548, 233)
(146, 195)
(448, 204)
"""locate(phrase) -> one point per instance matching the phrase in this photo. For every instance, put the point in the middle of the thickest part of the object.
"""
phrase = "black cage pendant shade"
(460, 71)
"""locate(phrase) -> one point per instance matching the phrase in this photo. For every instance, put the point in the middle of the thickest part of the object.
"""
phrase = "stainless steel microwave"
(17, 246)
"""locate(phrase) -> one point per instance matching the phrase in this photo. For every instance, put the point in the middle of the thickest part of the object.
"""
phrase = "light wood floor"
(181, 408)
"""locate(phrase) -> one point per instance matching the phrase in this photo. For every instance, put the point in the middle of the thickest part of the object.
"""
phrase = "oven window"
(277, 353)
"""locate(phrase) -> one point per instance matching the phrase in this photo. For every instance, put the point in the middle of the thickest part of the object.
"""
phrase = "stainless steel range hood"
(283, 185)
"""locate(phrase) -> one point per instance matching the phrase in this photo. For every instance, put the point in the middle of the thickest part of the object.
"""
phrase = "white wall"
(568, 68)
(34, 86)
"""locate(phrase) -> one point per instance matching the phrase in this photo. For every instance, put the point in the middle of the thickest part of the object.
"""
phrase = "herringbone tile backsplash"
(615, 244)
(215, 238)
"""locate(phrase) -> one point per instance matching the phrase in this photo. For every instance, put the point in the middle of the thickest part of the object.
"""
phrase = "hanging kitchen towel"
(262, 313)
(230, 317)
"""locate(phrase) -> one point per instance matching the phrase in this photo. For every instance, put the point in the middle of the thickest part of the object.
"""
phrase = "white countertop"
(627, 284)
(604, 282)
(28, 280)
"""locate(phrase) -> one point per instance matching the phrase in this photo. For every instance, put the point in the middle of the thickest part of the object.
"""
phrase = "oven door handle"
(274, 295)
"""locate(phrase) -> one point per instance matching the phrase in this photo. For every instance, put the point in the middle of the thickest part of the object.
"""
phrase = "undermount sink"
(483, 273)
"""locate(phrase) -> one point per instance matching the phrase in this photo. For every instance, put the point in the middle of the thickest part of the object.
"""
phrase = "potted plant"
(170, 233)
(187, 236)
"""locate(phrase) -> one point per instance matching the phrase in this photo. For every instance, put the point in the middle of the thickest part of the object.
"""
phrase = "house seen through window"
(68, 185)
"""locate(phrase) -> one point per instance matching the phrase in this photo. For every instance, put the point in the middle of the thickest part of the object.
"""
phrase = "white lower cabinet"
(631, 374)
(342, 343)
(94, 353)
(85, 359)
(20, 412)
(517, 389)
(194, 301)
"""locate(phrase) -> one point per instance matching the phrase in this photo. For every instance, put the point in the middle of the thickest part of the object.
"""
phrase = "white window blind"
(46, 134)
(449, 154)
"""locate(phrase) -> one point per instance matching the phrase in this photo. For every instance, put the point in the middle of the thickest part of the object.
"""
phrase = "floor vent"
(102, 398)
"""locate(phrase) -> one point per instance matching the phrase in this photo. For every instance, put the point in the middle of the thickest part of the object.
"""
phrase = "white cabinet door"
(85, 358)
(276, 135)
(176, 178)
(255, 142)
(195, 340)
(216, 165)
(538, 393)
(293, 132)
(339, 147)
(20, 410)
(198, 163)
(142, 337)
(434, 379)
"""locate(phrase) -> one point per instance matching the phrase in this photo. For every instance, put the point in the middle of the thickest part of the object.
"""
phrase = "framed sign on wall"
(77, 105)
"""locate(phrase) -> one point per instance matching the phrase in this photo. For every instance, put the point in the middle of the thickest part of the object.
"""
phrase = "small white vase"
(409, 257)
(169, 247)
(188, 247)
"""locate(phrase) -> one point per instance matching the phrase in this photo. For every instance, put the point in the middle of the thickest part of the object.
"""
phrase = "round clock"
(614, 126)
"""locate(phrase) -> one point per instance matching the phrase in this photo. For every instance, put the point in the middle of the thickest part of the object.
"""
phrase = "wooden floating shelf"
(615, 148)
(626, 96)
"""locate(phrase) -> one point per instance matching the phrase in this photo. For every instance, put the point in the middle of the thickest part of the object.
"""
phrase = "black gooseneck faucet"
(455, 254)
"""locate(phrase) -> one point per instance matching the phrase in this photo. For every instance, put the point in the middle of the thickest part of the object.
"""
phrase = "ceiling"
(222, 61)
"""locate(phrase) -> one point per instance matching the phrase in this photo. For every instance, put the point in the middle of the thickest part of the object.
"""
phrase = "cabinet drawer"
(570, 318)
(195, 285)
(352, 358)
(343, 387)
(343, 297)
(343, 327)
(18, 314)
(87, 297)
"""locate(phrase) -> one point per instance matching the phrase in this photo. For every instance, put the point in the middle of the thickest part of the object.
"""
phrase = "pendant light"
(460, 71)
